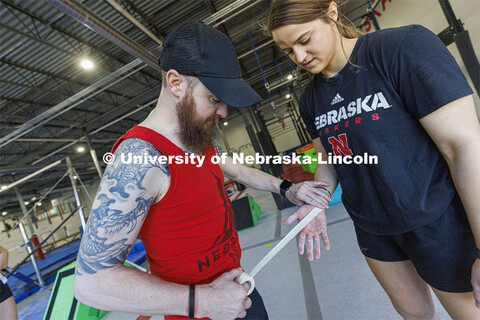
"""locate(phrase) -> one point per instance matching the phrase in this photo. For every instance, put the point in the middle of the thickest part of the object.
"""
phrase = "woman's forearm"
(465, 170)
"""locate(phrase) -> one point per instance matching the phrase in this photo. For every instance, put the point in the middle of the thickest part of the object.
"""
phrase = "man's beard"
(195, 134)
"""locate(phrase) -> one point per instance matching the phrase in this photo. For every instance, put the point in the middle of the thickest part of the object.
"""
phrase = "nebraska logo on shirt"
(356, 107)
(340, 145)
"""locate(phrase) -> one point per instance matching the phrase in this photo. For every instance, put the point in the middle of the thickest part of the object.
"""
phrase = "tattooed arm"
(124, 196)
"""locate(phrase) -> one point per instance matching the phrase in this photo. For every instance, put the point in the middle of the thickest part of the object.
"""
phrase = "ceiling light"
(81, 149)
(75, 177)
(4, 213)
(86, 64)
(288, 96)
(289, 77)
(26, 203)
(225, 123)
(39, 204)
(34, 198)
(4, 187)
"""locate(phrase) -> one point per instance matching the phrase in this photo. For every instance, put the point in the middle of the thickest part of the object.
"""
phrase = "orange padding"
(304, 148)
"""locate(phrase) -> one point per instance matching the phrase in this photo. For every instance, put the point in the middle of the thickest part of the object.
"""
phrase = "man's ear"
(333, 11)
(175, 83)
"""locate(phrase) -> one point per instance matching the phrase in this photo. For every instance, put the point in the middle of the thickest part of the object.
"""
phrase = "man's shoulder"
(218, 148)
(136, 146)
(134, 154)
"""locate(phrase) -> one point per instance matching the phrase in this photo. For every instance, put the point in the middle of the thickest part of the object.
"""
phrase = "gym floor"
(338, 286)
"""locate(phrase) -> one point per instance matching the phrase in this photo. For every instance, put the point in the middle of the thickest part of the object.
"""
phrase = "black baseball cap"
(196, 49)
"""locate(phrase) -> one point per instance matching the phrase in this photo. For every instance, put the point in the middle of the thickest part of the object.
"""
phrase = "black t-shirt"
(401, 75)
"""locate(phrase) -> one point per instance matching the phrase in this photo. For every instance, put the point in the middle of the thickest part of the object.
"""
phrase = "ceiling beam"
(55, 75)
(72, 36)
(87, 17)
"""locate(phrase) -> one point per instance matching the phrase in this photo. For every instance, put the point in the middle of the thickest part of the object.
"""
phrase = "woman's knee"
(422, 312)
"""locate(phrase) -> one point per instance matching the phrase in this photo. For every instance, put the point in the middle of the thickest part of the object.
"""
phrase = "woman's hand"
(312, 233)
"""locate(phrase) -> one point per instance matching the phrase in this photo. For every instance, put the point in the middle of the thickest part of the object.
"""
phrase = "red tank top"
(189, 235)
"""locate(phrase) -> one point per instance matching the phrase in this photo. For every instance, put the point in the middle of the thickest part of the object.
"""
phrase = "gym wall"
(236, 135)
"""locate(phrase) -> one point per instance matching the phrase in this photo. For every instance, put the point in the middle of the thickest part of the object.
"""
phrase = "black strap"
(191, 302)
(325, 190)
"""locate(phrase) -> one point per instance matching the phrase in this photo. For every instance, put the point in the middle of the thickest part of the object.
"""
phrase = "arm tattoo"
(218, 149)
(121, 202)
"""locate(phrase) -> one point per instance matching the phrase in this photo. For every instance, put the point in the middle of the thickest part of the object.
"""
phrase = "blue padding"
(337, 195)
(137, 255)
(54, 261)
(20, 276)
(36, 309)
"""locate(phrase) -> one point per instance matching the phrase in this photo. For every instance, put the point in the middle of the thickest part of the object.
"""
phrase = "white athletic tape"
(245, 277)
(296, 230)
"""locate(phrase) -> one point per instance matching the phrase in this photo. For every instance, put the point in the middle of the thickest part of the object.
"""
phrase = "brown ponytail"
(286, 12)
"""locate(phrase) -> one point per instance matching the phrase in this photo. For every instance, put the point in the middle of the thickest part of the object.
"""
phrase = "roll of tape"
(245, 277)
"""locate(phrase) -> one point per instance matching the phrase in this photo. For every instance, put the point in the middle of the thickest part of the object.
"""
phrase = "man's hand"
(476, 282)
(223, 299)
(309, 192)
(315, 230)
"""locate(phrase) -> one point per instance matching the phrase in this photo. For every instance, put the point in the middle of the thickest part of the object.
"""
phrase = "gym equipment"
(455, 32)
(308, 151)
(245, 212)
(62, 303)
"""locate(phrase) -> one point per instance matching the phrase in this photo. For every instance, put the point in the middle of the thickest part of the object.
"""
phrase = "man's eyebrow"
(298, 39)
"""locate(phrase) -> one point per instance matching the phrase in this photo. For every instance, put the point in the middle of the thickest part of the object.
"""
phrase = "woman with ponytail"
(397, 94)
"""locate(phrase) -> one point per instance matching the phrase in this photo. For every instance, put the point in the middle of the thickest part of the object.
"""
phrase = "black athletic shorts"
(257, 311)
(5, 291)
(443, 251)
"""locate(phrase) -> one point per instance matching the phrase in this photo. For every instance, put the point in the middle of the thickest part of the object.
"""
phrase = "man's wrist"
(285, 186)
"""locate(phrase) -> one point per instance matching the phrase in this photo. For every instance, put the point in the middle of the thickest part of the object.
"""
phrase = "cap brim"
(233, 91)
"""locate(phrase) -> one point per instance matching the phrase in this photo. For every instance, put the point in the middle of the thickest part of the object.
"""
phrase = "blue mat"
(36, 309)
(54, 261)
(336, 196)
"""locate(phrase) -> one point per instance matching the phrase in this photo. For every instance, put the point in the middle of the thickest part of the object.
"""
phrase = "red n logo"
(342, 145)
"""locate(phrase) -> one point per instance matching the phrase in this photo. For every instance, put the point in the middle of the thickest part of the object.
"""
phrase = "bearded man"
(180, 210)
